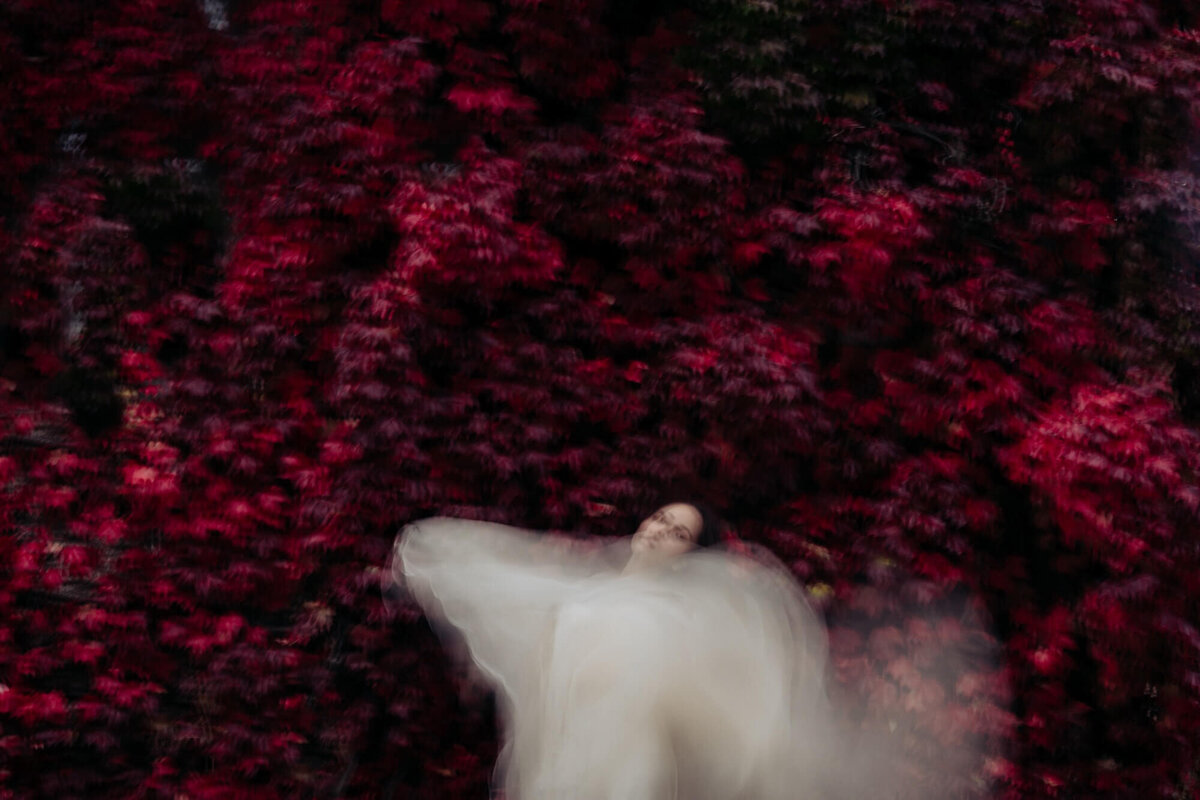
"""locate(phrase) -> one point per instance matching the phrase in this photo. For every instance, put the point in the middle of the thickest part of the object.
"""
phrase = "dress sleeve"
(490, 587)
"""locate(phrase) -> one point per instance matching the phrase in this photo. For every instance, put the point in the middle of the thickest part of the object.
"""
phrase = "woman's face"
(670, 531)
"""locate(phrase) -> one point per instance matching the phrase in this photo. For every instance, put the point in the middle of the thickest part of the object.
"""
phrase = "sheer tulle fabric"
(699, 679)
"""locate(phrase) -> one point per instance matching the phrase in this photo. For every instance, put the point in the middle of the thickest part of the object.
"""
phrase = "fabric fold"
(702, 678)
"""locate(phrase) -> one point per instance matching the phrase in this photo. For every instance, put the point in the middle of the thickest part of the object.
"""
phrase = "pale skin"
(669, 532)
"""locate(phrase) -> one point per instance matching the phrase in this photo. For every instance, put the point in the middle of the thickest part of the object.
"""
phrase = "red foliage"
(908, 290)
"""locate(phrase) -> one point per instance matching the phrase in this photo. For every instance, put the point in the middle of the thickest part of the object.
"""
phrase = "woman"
(657, 667)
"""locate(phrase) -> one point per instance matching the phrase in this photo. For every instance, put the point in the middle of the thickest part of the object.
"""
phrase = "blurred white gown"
(699, 679)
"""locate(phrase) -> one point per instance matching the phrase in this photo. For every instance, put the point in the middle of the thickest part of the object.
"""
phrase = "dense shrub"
(908, 290)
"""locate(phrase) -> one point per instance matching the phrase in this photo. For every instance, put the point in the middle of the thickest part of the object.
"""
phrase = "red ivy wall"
(908, 290)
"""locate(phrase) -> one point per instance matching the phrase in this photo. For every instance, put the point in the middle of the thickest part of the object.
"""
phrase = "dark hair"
(710, 524)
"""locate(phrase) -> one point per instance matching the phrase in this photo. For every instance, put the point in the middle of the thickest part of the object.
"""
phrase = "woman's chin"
(643, 558)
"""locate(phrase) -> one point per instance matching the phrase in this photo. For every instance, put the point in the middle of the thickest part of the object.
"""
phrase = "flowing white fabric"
(699, 679)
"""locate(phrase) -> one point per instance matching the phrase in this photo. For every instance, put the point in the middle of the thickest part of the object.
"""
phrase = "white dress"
(702, 679)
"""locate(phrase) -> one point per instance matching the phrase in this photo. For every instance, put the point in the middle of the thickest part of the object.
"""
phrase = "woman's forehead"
(683, 514)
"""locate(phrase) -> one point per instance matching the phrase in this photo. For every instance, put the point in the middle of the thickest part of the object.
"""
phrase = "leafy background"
(907, 288)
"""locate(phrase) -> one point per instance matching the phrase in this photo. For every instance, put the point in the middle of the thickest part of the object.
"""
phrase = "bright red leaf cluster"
(908, 290)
